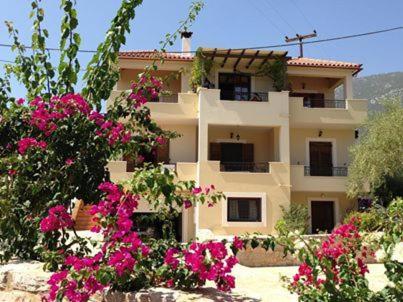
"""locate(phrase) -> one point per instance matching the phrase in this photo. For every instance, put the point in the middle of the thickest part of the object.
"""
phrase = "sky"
(234, 24)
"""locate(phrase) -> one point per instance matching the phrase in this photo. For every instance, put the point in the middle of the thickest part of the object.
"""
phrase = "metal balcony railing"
(246, 97)
(244, 167)
(325, 171)
(172, 98)
(309, 103)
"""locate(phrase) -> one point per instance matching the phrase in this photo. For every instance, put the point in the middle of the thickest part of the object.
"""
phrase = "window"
(244, 209)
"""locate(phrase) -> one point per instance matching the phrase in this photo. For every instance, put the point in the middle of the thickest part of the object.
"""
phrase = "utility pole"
(300, 38)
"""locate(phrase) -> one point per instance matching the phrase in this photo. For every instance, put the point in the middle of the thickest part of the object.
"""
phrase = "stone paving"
(24, 282)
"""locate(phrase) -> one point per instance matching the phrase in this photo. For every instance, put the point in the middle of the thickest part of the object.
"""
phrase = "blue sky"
(236, 23)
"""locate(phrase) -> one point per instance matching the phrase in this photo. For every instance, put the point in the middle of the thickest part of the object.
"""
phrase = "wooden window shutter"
(163, 153)
(247, 153)
(215, 151)
(130, 163)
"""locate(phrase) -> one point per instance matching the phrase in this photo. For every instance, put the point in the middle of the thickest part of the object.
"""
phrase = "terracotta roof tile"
(150, 55)
(308, 62)
(303, 62)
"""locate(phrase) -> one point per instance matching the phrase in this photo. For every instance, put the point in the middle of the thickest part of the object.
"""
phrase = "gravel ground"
(263, 283)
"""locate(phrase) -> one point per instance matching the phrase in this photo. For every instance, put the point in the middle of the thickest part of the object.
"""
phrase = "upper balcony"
(258, 109)
(343, 114)
(170, 109)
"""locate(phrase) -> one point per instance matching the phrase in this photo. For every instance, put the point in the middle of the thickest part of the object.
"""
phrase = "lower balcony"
(325, 171)
(306, 179)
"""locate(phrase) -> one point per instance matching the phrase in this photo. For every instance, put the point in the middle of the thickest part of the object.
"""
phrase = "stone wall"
(27, 282)
(259, 257)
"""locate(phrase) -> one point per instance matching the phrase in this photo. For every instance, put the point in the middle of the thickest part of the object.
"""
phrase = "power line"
(302, 13)
(275, 45)
(278, 13)
(266, 17)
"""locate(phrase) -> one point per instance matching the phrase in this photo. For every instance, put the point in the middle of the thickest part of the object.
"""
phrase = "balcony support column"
(284, 139)
(348, 87)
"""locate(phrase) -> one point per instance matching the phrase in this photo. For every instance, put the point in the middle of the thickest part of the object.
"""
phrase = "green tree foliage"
(295, 218)
(377, 158)
(277, 71)
(74, 162)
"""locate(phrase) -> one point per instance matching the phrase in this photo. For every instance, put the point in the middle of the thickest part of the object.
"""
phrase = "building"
(263, 148)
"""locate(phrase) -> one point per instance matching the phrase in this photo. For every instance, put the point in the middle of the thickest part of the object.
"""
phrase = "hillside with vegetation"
(377, 87)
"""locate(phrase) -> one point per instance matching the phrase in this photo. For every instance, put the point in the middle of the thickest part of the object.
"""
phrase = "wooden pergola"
(244, 58)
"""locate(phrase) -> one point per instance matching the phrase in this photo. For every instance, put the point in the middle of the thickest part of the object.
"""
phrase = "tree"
(377, 158)
(54, 146)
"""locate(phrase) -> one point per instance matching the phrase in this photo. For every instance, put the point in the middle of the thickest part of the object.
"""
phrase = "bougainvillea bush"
(55, 143)
(335, 269)
(125, 262)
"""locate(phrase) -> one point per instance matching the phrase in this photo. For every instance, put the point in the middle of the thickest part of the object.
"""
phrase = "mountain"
(377, 87)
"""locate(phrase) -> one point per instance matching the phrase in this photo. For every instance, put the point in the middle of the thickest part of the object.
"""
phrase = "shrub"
(127, 263)
(295, 218)
(370, 220)
(333, 270)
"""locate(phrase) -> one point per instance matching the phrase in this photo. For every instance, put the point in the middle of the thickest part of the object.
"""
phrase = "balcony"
(261, 167)
(263, 109)
(172, 98)
(308, 103)
(247, 97)
(338, 114)
(325, 171)
(305, 179)
(181, 107)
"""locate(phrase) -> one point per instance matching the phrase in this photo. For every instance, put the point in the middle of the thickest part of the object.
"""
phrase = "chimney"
(186, 45)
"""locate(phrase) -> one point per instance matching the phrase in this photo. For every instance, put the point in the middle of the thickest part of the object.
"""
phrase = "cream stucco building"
(263, 148)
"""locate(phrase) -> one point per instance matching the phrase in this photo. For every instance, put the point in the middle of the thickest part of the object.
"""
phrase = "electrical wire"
(269, 46)
(267, 18)
(279, 14)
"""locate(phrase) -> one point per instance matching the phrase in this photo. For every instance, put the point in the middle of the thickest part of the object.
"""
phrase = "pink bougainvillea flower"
(57, 219)
(20, 101)
(187, 203)
(238, 243)
(11, 172)
(160, 140)
(28, 142)
(69, 161)
(196, 190)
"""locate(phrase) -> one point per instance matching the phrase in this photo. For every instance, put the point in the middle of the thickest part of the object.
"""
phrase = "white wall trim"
(320, 139)
(224, 210)
(336, 209)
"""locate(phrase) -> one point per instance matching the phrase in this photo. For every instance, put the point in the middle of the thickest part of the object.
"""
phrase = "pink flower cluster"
(121, 250)
(57, 219)
(206, 261)
(146, 88)
(28, 142)
(46, 115)
(74, 290)
(343, 250)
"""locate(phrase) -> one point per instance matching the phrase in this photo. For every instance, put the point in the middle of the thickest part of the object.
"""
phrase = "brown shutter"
(130, 163)
(247, 153)
(215, 151)
(163, 153)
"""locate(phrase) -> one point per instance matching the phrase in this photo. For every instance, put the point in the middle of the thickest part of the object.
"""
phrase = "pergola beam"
(266, 59)
(253, 59)
(225, 57)
(239, 59)
(214, 53)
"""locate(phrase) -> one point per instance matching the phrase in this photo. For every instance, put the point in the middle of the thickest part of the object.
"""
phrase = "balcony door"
(234, 87)
(233, 156)
(322, 216)
(321, 158)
